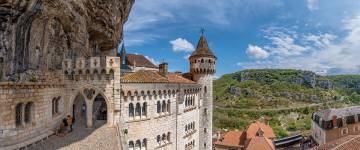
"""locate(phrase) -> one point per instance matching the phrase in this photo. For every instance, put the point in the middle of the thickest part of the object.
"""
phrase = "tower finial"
(202, 31)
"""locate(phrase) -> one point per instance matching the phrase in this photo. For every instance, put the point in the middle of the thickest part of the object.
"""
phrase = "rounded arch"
(87, 71)
(95, 71)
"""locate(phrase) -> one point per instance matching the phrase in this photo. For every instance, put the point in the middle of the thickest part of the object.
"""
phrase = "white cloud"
(257, 52)
(181, 44)
(321, 40)
(161, 17)
(312, 5)
(152, 60)
(282, 42)
(187, 56)
(325, 54)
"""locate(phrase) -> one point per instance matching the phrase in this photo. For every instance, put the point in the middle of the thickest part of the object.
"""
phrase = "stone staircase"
(101, 138)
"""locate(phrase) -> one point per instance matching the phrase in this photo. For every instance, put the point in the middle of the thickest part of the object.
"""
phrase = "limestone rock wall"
(36, 35)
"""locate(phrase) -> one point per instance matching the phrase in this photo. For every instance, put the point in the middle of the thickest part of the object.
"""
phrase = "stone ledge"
(161, 116)
(138, 120)
(161, 146)
(190, 133)
(189, 109)
(32, 85)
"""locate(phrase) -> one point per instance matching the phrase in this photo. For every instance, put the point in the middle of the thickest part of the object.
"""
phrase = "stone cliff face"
(36, 35)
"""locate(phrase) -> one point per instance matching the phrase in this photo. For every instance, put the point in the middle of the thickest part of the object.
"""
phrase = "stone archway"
(100, 110)
(79, 110)
(90, 106)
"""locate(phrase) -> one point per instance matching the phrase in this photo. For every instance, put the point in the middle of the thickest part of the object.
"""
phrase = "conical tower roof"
(202, 49)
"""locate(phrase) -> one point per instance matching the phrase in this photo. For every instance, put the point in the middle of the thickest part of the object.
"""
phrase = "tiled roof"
(231, 139)
(147, 76)
(260, 143)
(253, 129)
(350, 142)
(202, 49)
(138, 61)
(339, 113)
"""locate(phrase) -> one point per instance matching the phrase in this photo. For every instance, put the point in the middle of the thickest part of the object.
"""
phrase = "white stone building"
(151, 107)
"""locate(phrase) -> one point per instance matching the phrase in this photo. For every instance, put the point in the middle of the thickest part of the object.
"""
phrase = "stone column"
(89, 113)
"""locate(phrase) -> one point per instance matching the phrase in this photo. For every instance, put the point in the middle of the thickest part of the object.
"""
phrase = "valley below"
(283, 98)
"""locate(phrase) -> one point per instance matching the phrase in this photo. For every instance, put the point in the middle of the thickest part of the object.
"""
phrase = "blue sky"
(318, 35)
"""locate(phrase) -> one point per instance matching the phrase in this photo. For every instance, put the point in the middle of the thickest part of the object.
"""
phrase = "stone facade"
(172, 112)
(59, 57)
(332, 124)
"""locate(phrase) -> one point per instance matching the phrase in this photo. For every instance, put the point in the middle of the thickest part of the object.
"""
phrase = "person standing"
(70, 121)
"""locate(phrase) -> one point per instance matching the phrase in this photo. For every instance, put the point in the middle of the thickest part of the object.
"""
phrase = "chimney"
(163, 69)
(334, 121)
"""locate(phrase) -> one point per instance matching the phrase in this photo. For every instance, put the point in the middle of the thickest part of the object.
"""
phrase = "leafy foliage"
(249, 95)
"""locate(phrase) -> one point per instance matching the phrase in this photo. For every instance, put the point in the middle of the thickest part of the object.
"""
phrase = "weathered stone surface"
(36, 35)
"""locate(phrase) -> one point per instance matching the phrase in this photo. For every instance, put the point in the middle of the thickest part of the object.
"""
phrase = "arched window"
(18, 114)
(168, 136)
(144, 109)
(53, 106)
(186, 102)
(163, 106)
(158, 139)
(202, 60)
(138, 109)
(131, 110)
(205, 90)
(57, 102)
(138, 144)
(144, 143)
(158, 107)
(168, 106)
(28, 112)
(209, 61)
(131, 145)
(164, 137)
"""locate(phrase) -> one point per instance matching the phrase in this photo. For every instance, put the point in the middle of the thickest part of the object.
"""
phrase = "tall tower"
(122, 54)
(202, 69)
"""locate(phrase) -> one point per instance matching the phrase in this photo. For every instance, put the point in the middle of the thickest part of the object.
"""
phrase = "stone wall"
(154, 123)
(43, 121)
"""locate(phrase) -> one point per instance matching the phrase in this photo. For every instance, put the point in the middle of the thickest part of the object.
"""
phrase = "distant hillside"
(269, 88)
(287, 97)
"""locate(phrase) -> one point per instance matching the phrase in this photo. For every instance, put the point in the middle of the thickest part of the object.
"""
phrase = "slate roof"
(202, 49)
(138, 61)
(252, 130)
(232, 139)
(339, 113)
(147, 76)
(350, 142)
(260, 143)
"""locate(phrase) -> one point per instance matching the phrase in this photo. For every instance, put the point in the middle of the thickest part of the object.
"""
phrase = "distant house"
(350, 142)
(331, 124)
(257, 136)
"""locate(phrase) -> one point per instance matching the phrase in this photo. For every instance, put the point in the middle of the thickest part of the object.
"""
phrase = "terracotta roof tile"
(147, 76)
(232, 139)
(260, 143)
(138, 61)
(350, 142)
(255, 127)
